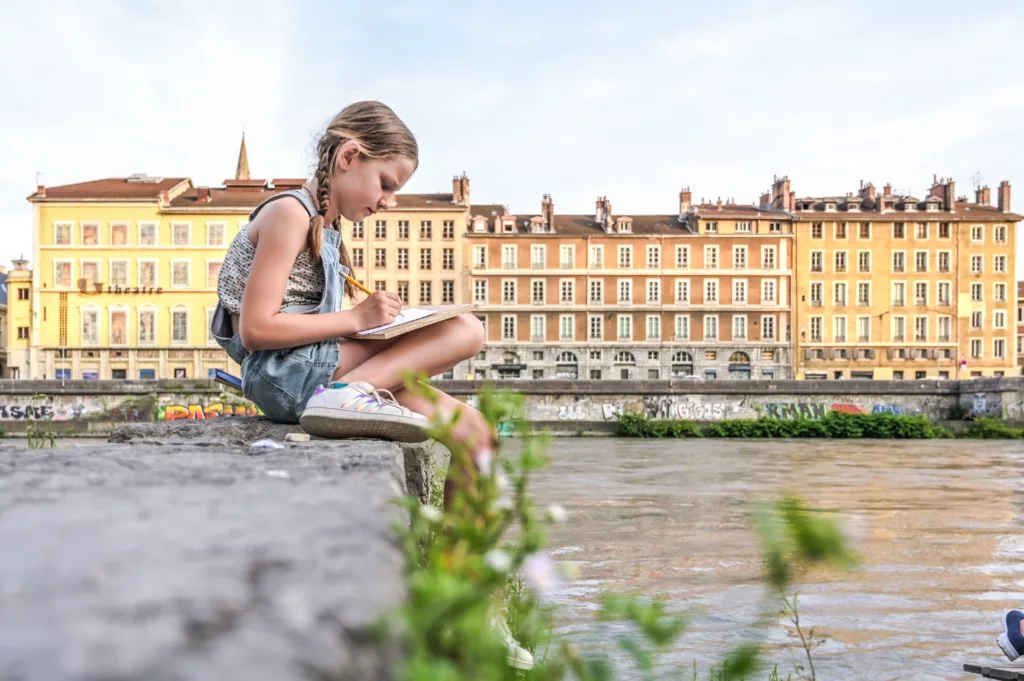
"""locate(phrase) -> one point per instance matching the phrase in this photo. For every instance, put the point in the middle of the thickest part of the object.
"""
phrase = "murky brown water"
(938, 526)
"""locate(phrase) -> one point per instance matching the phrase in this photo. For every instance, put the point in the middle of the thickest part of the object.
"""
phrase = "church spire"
(242, 171)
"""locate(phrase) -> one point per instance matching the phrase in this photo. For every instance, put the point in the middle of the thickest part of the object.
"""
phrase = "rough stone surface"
(182, 552)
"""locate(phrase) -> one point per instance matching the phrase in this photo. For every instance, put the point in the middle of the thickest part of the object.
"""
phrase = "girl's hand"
(378, 309)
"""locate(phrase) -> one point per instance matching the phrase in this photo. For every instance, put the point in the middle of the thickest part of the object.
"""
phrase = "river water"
(937, 526)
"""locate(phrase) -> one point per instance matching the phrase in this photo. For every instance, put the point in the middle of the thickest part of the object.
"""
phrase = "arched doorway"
(510, 366)
(567, 366)
(739, 365)
(626, 362)
(682, 364)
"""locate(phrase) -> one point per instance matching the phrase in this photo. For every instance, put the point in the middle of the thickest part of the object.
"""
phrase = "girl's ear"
(347, 154)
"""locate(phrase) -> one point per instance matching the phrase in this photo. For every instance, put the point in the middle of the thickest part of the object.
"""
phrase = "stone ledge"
(180, 552)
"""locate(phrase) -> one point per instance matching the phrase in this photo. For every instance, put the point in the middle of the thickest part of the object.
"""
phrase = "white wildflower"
(498, 560)
(483, 461)
(541, 574)
(502, 482)
(430, 513)
(557, 513)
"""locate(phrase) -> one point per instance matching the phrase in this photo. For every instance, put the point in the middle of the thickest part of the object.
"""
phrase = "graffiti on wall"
(197, 412)
(817, 410)
(669, 407)
(23, 412)
(1013, 410)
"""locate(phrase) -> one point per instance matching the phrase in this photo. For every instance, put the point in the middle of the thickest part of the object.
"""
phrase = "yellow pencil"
(358, 285)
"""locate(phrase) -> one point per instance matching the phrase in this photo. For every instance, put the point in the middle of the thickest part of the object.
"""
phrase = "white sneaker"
(516, 656)
(359, 410)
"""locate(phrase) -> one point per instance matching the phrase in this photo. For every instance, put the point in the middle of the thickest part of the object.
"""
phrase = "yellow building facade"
(892, 286)
(124, 276)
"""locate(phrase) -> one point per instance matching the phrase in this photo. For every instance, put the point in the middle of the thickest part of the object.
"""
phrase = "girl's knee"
(471, 331)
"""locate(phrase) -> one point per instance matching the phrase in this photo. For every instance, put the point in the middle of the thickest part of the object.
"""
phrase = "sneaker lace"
(388, 400)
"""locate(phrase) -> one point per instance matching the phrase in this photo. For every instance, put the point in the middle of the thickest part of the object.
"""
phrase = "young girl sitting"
(281, 288)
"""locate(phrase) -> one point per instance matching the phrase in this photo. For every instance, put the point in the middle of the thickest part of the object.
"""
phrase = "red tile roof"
(110, 189)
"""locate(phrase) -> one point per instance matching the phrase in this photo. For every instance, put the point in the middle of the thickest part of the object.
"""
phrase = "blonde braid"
(316, 224)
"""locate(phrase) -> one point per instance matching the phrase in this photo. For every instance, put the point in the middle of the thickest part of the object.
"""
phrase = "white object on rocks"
(297, 437)
(267, 444)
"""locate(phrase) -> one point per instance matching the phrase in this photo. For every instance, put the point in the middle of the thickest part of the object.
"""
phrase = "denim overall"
(281, 381)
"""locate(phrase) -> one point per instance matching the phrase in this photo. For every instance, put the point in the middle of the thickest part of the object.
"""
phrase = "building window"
(403, 259)
(739, 257)
(147, 326)
(480, 256)
(119, 234)
(214, 233)
(23, 291)
(448, 230)
(1000, 234)
(567, 326)
(653, 327)
(864, 231)
(921, 261)
(479, 290)
(508, 327)
(682, 257)
(90, 234)
(999, 348)
(816, 325)
(537, 291)
(839, 294)
(181, 233)
(768, 328)
(710, 291)
(426, 229)
(775, 227)
(944, 257)
(977, 319)
(403, 230)
(921, 293)
(597, 292)
(403, 292)
(1000, 293)
(977, 292)
(358, 260)
(944, 293)
(90, 272)
(976, 348)
(426, 258)
(817, 230)
(447, 292)
(743, 227)
(62, 233)
(682, 291)
(180, 273)
(899, 231)
(653, 257)
(22, 332)
(817, 293)
(840, 230)
(899, 329)
(508, 257)
(710, 327)
(840, 261)
(999, 318)
(899, 261)
(625, 327)
(90, 327)
(839, 329)
(625, 257)
(945, 324)
(999, 263)
(568, 292)
(537, 331)
(977, 263)
(508, 291)
(625, 291)
(944, 230)
(768, 257)
(357, 230)
(920, 329)
(711, 257)
(597, 257)
(739, 327)
(537, 257)
(864, 329)
(817, 261)
(567, 257)
(711, 227)
(977, 233)
(653, 290)
(596, 328)
(767, 291)
(426, 293)
(863, 293)
(864, 261)
(179, 327)
(739, 291)
(682, 327)
(380, 258)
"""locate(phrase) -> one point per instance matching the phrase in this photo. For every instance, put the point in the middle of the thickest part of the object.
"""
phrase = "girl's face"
(362, 186)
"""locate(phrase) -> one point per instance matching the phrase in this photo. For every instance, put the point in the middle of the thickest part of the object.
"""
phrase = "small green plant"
(833, 425)
(990, 429)
(957, 412)
(482, 557)
(38, 437)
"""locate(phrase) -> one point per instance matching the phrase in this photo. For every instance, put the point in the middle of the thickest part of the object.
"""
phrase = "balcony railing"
(899, 302)
(537, 338)
(537, 265)
(566, 264)
(921, 302)
(921, 338)
(537, 302)
(863, 339)
(816, 303)
(566, 301)
(897, 338)
(944, 338)
(680, 339)
(863, 303)
(508, 265)
(899, 268)
(840, 338)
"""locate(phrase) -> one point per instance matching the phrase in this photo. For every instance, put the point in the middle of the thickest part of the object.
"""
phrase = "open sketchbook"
(409, 314)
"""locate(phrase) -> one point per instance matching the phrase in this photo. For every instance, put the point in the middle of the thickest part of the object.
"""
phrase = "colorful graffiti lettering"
(671, 408)
(794, 410)
(847, 408)
(572, 412)
(197, 412)
(894, 409)
(18, 412)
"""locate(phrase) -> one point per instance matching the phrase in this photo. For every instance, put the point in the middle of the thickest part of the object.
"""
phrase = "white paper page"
(409, 314)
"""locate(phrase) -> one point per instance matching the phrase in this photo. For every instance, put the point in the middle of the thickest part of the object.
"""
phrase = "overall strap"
(302, 196)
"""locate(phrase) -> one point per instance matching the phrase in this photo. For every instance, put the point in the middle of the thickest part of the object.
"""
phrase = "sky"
(576, 99)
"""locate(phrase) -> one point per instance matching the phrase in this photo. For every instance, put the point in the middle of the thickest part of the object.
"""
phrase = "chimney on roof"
(599, 210)
(163, 198)
(782, 197)
(685, 201)
(20, 264)
(887, 190)
(607, 212)
(202, 194)
(460, 189)
(867, 192)
(983, 196)
(41, 191)
(1004, 196)
(242, 169)
(719, 204)
(547, 209)
(765, 201)
(944, 189)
